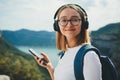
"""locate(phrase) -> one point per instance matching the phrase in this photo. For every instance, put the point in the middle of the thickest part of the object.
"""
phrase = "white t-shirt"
(91, 68)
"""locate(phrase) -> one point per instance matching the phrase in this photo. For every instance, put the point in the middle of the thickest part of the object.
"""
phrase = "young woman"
(71, 34)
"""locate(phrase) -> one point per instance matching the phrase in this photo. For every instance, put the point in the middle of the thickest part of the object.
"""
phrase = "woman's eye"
(64, 20)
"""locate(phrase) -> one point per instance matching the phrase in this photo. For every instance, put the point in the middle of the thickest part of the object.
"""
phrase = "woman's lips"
(70, 30)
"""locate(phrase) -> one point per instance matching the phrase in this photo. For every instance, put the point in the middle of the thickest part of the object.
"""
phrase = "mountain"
(107, 40)
(18, 65)
(113, 28)
(29, 38)
(107, 37)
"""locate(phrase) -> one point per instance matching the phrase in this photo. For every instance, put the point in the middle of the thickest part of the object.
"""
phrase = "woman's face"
(70, 23)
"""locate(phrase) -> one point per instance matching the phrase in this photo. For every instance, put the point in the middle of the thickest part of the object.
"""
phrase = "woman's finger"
(45, 56)
(42, 63)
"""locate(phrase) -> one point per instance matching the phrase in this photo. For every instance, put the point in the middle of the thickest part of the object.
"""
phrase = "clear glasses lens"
(74, 22)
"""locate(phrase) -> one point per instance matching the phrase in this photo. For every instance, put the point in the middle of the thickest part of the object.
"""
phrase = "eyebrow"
(71, 17)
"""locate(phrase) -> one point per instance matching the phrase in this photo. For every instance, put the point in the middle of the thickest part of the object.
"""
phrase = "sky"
(38, 14)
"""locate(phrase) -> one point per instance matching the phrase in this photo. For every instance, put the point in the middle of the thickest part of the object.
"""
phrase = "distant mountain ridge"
(107, 38)
(108, 29)
(29, 38)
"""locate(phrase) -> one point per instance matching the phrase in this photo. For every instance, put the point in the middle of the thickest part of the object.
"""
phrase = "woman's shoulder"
(91, 55)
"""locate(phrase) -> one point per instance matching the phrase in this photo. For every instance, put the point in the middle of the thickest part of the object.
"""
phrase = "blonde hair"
(83, 37)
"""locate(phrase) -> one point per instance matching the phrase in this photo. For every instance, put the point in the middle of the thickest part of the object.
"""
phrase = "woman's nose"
(69, 23)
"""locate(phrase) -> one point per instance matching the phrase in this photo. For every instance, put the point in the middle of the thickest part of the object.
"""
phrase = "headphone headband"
(82, 10)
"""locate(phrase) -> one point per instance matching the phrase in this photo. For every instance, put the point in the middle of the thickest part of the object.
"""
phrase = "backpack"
(108, 69)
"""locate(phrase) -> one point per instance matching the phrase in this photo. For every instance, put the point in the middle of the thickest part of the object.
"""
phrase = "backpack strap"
(79, 59)
(61, 54)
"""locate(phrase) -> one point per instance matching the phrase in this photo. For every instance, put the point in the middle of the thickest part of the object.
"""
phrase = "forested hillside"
(18, 65)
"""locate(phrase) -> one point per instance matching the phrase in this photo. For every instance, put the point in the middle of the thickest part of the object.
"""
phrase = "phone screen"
(34, 53)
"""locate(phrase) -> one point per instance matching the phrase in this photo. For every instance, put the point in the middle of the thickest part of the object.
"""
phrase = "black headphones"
(85, 22)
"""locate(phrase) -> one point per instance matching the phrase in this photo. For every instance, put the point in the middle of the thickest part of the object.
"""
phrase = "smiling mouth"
(70, 30)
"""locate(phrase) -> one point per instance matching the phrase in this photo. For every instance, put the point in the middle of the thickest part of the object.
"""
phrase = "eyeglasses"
(64, 22)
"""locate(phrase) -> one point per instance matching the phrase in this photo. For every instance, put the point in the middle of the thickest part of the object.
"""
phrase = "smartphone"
(37, 55)
(33, 52)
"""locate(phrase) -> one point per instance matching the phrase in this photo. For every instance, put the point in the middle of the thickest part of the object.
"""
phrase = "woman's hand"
(44, 61)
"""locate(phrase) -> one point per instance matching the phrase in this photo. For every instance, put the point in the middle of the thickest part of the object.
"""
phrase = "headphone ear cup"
(85, 24)
(56, 26)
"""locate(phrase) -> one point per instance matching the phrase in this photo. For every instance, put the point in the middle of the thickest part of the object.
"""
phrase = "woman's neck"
(71, 43)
